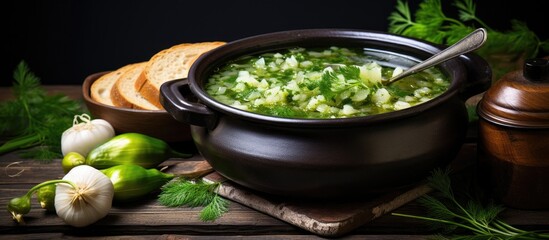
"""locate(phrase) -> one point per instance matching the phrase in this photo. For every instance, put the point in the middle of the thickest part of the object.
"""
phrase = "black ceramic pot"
(328, 157)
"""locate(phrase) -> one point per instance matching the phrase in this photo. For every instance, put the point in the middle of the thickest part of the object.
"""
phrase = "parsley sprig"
(34, 120)
(448, 212)
(194, 193)
(331, 84)
(432, 24)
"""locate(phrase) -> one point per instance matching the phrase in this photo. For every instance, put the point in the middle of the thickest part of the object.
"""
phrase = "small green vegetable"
(72, 159)
(19, 206)
(196, 193)
(126, 148)
(132, 181)
(46, 197)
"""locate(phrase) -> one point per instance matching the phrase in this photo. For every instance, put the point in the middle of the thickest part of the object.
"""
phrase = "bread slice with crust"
(123, 93)
(100, 89)
(169, 64)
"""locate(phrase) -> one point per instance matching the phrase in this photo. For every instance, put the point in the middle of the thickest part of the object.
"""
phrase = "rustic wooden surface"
(146, 219)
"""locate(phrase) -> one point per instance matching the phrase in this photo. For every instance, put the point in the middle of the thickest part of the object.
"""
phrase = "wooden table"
(146, 219)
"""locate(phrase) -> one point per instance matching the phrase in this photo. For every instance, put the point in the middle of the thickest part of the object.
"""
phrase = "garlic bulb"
(85, 201)
(85, 134)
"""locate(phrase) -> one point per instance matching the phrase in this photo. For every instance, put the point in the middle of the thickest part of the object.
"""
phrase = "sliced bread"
(123, 93)
(169, 64)
(100, 89)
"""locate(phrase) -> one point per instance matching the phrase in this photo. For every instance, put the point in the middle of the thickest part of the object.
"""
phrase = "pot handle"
(479, 75)
(175, 96)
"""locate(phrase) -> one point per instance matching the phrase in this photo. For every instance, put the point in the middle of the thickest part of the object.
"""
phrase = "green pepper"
(126, 148)
(72, 159)
(133, 181)
(46, 197)
(19, 206)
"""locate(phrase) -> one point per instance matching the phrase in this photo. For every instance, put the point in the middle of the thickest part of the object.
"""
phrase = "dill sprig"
(432, 24)
(194, 193)
(34, 120)
(447, 213)
(214, 209)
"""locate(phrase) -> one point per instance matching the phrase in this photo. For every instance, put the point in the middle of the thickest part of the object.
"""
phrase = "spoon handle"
(467, 44)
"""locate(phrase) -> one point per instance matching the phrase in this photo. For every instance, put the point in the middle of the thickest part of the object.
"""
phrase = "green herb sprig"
(34, 120)
(331, 84)
(194, 193)
(449, 214)
(502, 50)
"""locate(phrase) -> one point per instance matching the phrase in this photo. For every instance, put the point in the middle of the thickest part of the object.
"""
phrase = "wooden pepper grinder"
(514, 137)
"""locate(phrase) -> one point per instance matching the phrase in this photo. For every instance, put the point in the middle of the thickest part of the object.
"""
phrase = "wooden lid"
(519, 98)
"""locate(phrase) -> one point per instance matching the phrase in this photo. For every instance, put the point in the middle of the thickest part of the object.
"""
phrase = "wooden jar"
(514, 137)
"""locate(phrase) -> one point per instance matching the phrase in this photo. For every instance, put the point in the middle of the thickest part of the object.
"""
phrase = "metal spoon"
(467, 44)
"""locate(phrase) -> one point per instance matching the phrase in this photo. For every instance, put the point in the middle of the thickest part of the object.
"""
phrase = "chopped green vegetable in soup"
(320, 83)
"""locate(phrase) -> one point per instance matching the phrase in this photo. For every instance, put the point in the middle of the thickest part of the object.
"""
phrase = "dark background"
(63, 41)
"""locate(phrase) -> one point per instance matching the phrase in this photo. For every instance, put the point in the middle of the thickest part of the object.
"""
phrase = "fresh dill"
(446, 211)
(214, 209)
(194, 193)
(432, 24)
(34, 121)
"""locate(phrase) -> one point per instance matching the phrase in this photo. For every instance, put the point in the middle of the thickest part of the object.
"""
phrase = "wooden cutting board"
(324, 218)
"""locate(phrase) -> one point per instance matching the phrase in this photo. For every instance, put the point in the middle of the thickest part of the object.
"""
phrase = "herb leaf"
(194, 193)
(467, 11)
(214, 209)
(401, 20)
(325, 85)
(186, 193)
(447, 212)
(332, 84)
(34, 118)
(433, 25)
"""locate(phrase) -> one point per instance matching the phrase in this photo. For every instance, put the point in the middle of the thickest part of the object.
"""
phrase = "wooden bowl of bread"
(128, 97)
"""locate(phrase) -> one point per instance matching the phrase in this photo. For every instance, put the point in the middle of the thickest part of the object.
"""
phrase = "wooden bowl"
(154, 123)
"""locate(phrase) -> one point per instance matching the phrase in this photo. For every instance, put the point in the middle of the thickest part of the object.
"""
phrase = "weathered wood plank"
(217, 237)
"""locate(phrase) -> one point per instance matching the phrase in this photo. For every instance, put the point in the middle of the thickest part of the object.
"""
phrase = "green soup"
(320, 83)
